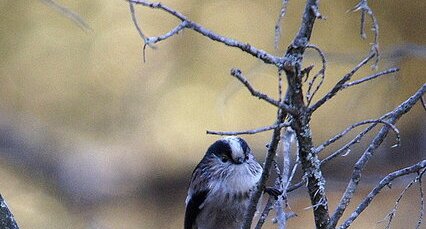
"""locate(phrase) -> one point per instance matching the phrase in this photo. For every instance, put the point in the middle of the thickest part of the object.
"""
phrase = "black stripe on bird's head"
(230, 149)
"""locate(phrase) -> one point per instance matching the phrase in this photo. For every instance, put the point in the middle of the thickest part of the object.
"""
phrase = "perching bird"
(221, 186)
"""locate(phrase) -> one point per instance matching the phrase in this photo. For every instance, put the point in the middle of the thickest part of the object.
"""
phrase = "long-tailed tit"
(221, 186)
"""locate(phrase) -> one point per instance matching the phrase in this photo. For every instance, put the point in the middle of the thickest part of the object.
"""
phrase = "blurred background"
(93, 137)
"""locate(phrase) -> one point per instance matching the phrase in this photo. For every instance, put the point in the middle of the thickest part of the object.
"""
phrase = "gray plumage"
(221, 186)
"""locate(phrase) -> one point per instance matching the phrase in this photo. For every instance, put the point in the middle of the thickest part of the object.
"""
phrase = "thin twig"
(383, 183)
(390, 216)
(265, 213)
(188, 24)
(347, 130)
(320, 73)
(278, 24)
(281, 203)
(339, 86)
(272, 148)
(365, 9)
(371, 77)
(392, 117)
(239, 75)
(253, 131)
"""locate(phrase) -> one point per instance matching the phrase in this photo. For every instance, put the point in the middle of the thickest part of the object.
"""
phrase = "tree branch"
(347, 130)
(239, 75)
(383, 183)
(391, 117)
(188, 24)
(301, 123)
(340, 85)
(321, 72)
(272, 148)
(253, 131)
(371, 77)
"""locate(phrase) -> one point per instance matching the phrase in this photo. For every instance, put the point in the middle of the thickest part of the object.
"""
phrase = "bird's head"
(232, 150)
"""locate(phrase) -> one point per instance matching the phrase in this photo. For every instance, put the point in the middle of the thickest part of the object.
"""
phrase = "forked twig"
(188, 24)
(383, 183)
(392, 117)
(239, 75)
(370, 77)
(253, 131)
(320, 73)
(339, 85)
(347, 130)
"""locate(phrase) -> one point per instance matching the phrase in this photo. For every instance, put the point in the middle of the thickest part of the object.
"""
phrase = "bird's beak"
(239, 160)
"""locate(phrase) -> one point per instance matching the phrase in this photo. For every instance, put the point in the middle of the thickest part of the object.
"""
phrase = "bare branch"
(339, 86)
(281, 203)
(392, 117)
(371, 77)
(365, 9)
(383, 183)
(265, 212)
(135, 21)
(301, 124)
(272, 148)
(239, 75)
(393, 211)
(278, 24)
(320, 73)
(253, 131)
(347, 130)
(188, 24)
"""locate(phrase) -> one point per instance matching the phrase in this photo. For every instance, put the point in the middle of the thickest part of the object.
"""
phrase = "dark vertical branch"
(272, 149)
(301, 122)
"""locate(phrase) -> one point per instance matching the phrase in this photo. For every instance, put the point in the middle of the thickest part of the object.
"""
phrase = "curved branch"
(253, 131)
(383, 183)
(188, 24)
(339, 86)
(392, 117)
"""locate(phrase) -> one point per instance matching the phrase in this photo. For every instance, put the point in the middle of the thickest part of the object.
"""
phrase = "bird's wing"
(193, 208)
(197, 194)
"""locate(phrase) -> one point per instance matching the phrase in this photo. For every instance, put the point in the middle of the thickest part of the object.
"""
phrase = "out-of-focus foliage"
(92, 137)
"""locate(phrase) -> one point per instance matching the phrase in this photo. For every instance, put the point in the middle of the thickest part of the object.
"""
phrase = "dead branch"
(391, 117)
(366, 10)
(239, 75)
(320, 73)
(339, 86)
(253, 131)
(347, 130)
(188, 24)
(278, 24)
(383, 183)
(371, 77)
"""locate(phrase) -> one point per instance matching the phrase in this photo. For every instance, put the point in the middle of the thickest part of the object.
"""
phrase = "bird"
(221, 186)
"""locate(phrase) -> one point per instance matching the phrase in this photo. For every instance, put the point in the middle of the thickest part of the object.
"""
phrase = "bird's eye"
(224, 159)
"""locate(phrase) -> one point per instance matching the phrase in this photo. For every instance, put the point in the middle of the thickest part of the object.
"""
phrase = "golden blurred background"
(93, 137)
